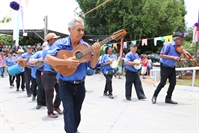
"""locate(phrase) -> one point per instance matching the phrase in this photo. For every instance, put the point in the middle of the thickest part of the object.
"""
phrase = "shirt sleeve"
(58, 45)
(165, 49)
(127, 58)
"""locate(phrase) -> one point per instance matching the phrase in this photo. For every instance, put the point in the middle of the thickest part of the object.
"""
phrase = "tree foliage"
(8, 40)
(140, 18)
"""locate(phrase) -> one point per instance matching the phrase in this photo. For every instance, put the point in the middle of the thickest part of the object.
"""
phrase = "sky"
(60, 11)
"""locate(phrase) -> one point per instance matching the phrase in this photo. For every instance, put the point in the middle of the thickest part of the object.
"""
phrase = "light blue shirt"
(130, 57)
(46, 66)
(38, 55)
(33, 72)
(65, 44)
(107, 58)
(9, 62)
(24, 56)
(169, 49)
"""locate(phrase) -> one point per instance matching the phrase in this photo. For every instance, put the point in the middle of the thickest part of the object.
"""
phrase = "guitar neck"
(88, 50)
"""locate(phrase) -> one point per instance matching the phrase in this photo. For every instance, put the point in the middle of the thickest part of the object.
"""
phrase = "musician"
(72, 88)
(33, 85)
(27, 71)
(9, 61)
(132, 75)
(108, 71)
(34, 59)
(20, 76)
(168, 60)
(49, 80)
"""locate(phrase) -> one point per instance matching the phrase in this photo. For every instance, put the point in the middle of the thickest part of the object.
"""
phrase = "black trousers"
(133, 78)
(27, 74)
(33, 86)
(108, 85)
(11, 79)
(20, 79)
(41, 100)
(166, 73)
(49, 82)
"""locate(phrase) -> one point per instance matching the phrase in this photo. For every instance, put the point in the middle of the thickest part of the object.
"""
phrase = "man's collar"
(173, 43)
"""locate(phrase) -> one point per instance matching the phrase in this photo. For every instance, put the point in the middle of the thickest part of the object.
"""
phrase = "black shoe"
(142, 98)
(170, 101)
(38, 106)
(105, 94)
(154, 99)
(33, 98)
(111, 96)
(23, 90)
(129, 99)
(29, 95)
(17, 89)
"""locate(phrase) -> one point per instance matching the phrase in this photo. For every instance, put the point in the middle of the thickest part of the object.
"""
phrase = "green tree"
(141, 18)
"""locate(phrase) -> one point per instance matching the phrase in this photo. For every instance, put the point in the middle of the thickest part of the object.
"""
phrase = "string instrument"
(186, 54)
(82, 53)
(137, 66)
(23, 62)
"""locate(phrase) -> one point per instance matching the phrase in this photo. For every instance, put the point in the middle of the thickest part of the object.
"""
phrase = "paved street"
(101, 114)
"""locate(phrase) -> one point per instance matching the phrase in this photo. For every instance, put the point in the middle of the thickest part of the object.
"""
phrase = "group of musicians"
(70, 89)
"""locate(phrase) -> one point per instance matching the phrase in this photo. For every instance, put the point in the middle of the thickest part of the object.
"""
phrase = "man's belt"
(50, 72)
(167, 65)
(72, 82)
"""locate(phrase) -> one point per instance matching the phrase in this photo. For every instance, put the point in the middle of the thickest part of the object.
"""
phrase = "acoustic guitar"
(82, 53)
(23, 62)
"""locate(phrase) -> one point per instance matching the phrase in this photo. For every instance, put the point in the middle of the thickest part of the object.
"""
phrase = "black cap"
(178, 34)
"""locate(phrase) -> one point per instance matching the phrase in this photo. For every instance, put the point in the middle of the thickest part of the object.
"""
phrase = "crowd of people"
(45, 72)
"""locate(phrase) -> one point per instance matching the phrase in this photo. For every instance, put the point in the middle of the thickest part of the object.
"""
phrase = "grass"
(187, 80)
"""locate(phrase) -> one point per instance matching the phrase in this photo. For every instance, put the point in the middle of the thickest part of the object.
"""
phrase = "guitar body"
(23, 62)
(64, 54)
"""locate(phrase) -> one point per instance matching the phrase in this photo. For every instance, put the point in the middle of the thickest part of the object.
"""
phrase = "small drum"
(15, 69)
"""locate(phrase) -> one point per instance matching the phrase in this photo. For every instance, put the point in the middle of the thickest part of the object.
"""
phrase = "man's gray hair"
(174, 38)
(71, 24)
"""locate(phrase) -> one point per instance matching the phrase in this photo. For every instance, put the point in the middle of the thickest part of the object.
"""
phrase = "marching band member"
(27, 71)
(49, 80)
(168, 60)
(37, 58)
(132, 75)
(108, 72)
(20, 76)
(72, 88)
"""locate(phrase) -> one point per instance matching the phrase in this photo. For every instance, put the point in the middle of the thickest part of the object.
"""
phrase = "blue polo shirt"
(33, 72)
(130, 57)
(169, 49)
(25, 55)
(9, 62)
(107, 58)
(65, 44)
(46, 66)
(37, 55)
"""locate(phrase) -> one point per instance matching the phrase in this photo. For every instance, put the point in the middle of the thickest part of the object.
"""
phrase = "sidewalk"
(101, 114)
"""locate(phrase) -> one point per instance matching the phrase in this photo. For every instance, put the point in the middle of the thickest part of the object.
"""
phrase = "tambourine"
(137, 66)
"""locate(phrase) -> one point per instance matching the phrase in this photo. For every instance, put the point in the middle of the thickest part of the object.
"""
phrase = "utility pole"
(45, 26)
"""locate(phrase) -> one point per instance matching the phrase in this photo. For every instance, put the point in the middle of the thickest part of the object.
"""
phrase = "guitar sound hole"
(78, 55)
